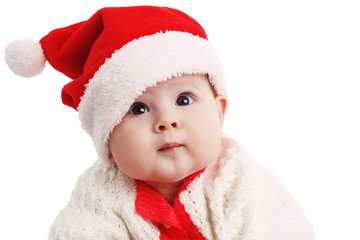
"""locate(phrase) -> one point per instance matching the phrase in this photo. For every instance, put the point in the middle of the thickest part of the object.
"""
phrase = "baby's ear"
(221, 103)
(110, 157)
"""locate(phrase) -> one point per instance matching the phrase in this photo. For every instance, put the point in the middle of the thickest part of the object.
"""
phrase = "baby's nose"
(166, 124)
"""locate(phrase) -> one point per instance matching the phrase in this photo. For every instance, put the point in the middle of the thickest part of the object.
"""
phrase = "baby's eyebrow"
(194, 87)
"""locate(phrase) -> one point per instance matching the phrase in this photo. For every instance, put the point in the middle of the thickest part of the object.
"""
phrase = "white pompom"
(25, 58)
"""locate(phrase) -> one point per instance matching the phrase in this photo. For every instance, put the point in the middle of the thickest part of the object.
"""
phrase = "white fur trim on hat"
(140, 64)
(25, 57)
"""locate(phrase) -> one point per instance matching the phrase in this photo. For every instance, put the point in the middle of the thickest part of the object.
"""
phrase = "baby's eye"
(138, 108)
(184, 99)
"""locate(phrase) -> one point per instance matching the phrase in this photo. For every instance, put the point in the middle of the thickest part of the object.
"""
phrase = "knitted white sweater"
(235, 198)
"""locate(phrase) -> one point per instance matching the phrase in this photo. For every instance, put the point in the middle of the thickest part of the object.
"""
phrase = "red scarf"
(173, 222)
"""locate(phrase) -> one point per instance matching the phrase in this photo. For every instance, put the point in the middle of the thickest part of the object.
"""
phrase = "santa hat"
(114, 56)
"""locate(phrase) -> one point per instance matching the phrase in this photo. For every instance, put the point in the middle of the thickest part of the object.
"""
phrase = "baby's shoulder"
(238, 171)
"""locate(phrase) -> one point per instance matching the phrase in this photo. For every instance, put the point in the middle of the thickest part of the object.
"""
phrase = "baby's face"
(170, 132)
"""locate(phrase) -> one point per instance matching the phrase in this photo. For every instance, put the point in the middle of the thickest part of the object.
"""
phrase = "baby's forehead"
(196, 81)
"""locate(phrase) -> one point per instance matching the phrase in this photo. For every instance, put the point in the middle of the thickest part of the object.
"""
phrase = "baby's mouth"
(170, 147)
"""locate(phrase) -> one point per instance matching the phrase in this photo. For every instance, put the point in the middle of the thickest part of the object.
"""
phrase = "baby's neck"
(167, 190)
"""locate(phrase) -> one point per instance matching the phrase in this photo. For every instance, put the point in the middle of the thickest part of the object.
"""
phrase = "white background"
(294, 87)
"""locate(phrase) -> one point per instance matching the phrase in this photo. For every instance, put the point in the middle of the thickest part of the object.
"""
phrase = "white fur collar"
(235, 198)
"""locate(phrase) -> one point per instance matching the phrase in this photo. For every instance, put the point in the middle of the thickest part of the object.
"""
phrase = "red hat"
(114, 56)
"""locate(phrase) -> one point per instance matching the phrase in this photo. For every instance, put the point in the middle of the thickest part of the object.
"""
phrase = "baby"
(150, 91)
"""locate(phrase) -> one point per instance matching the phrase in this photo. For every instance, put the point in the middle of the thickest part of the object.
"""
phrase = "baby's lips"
(170, 146)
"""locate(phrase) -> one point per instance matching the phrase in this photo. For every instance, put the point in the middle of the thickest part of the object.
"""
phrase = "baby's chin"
(164, 179)
(171, 178)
